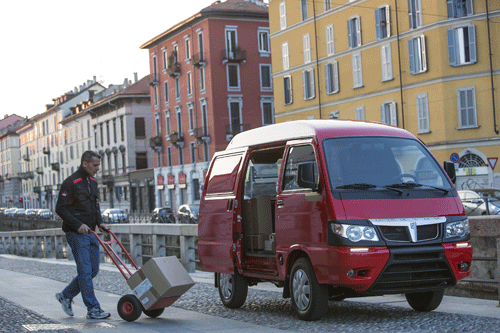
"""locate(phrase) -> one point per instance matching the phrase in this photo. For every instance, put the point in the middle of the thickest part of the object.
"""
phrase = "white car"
(475, 205)
(114, 215)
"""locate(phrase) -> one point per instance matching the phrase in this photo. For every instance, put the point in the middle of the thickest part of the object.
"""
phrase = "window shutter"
(452, 57)
(424, 54)
(290, 89)
(358, 31)
(304, 83)
(336, 76)
(384, 61)
(472, 43)
(411, 54)
(378, 29)
(410, 14)
(349, 33)
(382, 113)
(312, 85)
(394, 115)
(327, 78)
(468, 6)
(451, 8)
(388, 20)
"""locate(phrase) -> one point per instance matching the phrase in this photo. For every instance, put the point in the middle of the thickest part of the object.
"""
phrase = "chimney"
(125, 82)
(135, 77)
(5, 116)
(95, 79)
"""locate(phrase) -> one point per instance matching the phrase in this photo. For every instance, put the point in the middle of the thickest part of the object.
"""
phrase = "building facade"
(426, 66)
(210, 80)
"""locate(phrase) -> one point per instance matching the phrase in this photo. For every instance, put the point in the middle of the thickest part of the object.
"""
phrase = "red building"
(211, 79)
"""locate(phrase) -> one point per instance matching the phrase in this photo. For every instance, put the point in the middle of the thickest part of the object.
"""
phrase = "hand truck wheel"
(153, 313)
(129, 307)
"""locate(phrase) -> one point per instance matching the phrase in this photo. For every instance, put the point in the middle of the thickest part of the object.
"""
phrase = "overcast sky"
(49, 47)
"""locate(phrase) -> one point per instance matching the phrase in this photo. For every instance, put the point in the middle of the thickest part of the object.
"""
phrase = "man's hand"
(103, 227)
(83, 229)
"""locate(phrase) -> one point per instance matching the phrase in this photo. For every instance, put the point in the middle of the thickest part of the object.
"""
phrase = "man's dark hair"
(87, 156)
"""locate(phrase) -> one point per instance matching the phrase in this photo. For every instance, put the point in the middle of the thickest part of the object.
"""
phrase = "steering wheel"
(403, 175)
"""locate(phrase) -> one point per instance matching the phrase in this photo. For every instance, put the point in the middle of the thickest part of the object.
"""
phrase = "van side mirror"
(449, 167)
(305, 176)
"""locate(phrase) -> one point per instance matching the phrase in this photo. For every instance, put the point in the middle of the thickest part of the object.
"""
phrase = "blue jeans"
(85, 248)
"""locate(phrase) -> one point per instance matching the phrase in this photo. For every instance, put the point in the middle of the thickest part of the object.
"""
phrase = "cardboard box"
(160, 282)
(255, 242)
(258, 216)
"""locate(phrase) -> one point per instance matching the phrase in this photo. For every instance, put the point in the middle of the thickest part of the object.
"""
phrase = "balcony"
(237, 56)
(26, 157)
(39, 170)
(46, 150)
(177, 140)
(174, 69)
(26, 175)
(37, 189)
(156, 142)
(154, 80)
(48, 188)
(108, 180)
(201, 134)
(55, 166)
(199, 60)
(233, 129)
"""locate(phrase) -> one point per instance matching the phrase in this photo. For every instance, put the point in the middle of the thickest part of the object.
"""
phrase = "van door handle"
(280, 202)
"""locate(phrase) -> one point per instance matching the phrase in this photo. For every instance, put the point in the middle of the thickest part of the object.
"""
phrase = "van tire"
(425, 301)
(233, 289)
(309, 298)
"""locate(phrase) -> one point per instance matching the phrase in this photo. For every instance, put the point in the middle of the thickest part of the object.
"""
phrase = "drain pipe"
(399, 62)
(317, 59)
(491, 71)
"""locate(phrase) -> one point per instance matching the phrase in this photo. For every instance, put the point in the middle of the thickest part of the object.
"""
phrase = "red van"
(331, 209)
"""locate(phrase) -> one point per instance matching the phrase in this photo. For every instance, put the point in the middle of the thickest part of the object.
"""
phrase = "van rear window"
(223, 175)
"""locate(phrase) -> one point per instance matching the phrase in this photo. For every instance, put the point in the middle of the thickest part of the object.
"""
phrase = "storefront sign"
(182, 180)
(171, 181)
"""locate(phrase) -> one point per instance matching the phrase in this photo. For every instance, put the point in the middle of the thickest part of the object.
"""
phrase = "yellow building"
(430, 67)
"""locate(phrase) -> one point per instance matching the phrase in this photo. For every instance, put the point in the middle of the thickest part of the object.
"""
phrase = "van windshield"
(383, 163)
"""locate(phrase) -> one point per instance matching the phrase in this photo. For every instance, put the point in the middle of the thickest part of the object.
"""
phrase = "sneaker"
(97, 313)
(66, 304)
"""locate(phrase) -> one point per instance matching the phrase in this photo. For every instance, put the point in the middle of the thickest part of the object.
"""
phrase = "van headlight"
(457, 229)
(355, 233)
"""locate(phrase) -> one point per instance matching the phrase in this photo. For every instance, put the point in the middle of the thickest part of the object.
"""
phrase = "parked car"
(30, 213)
(163, 215)
(474, 204)
(492, 194)
(2, 209)
(44, 213)
(19, 212)
(188, 214)
(114, 215)
(9, 212)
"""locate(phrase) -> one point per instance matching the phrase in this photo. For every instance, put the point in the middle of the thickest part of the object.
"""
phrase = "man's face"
(92, 167)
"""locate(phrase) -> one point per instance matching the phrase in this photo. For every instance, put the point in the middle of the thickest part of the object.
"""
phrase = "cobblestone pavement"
(262, 307)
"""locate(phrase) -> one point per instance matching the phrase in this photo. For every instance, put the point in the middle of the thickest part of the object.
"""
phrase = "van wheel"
(425, 301)
(309, 298)
(233, 289)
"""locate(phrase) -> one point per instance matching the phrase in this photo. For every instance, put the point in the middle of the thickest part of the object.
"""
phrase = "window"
(231, 42)
(168, 128)
(462, 45)
(388, 113)
(234, 115)
(308, 83)
(265, 78)
(282, 15)
(157, 123)
(202, 79)
(383, 22)
(107, 133)
(467, 107)
(115, 137)
(233, 77)
(192, 150)
(181, 157)
(189, 83)
(204, 116)
(415, 14)
(386, 57)
(187, 44)
(155, 96)
(354, 32)
(177, 88)
(267, 107)
(122, 128)
(178, 113)
(328, 5)
(287, 88)
(155, 74)
(165, 58)
(141, 161)
(124, 165)
(303, 8)
(357, 70)
(140, 128)
(332, 77)
(284, 56)
(191, 116)
(330, 44)
(459, 8)
(165, 91)
(169, 155)
(416, 51)
(423, 113)
(175, 52)
(264, 46)
(200, 44)
(306, 43)
(296, 156)
(359, 112)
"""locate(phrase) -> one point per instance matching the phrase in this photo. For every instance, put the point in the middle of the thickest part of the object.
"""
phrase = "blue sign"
(454, 158)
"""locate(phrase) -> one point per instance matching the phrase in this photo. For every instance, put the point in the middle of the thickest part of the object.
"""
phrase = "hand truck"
(129, 307)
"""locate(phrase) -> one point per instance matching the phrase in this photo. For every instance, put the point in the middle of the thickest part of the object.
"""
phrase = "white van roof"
(300, 129)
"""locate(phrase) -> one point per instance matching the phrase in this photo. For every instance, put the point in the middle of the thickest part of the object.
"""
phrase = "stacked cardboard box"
(258, 222)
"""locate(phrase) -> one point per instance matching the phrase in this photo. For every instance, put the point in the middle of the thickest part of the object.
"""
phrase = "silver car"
(114, 215)
(475, 205)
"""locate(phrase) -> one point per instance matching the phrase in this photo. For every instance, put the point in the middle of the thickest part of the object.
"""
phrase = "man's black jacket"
(78, 202)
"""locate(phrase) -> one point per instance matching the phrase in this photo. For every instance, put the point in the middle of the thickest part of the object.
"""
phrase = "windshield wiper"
(365, 186)
(413, 185)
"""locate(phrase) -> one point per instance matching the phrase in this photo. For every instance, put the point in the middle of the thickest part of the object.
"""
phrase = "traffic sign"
(492, 161)
(454, 158)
